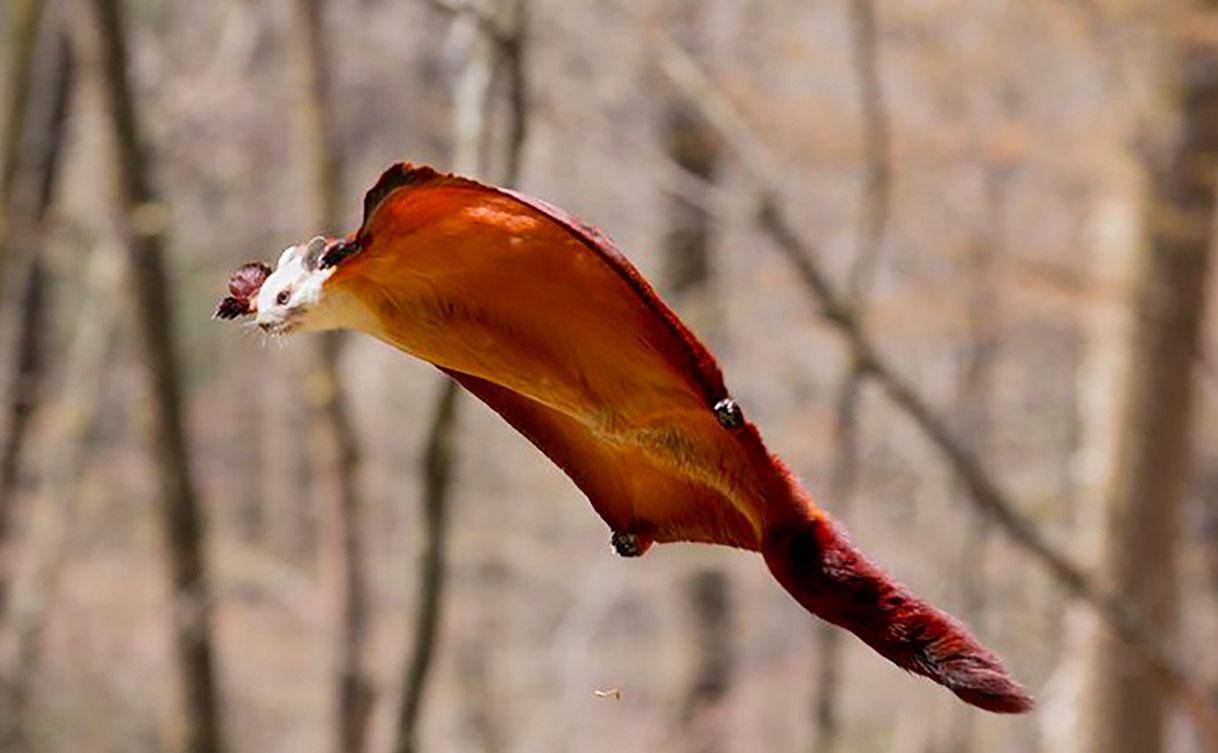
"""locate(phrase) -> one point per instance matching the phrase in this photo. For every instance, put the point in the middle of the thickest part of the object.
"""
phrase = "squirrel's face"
(295, 297)
(291, 299)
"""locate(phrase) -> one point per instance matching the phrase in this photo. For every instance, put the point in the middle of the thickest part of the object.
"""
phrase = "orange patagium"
(543, 319)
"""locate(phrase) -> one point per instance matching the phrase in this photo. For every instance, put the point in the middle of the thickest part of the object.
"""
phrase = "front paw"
(231, 308)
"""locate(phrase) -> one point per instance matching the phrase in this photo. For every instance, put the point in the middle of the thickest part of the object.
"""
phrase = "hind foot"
(629, 544)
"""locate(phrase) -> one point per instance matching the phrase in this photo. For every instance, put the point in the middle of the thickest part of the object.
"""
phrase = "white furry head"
(292, 298)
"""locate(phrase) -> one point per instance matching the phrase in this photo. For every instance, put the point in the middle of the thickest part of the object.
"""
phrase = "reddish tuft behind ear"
(245, 283)
(243, 286)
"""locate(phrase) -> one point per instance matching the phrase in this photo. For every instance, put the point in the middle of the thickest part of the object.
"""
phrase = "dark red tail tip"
(981, 681)
(834, 581)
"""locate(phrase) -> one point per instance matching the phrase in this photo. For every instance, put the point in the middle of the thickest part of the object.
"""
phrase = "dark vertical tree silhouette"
(19, 217)
(30, 200)
(437, 478)
(23, 22)
(709, 602)
(21, 211)
(497, 44)
(872, 226)
(332, 415)
(692, 145)
(73, 411)
(142, 227)
(1150, 470)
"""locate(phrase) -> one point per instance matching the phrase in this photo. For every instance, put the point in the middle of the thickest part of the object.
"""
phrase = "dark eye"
(283, 297)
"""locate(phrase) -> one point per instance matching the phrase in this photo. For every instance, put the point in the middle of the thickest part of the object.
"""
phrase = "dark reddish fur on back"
(819, 566)
(807, 554)
(702, 363)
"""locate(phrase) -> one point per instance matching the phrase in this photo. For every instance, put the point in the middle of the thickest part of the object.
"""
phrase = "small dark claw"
(231, 308)
(337, 252)
(729, 414)
(627, 544)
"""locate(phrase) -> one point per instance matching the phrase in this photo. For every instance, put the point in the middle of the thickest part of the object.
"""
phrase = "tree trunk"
(437, 479)
(873, 225)
(708, 595)
(1156, 411)
(24, 19)
(688, 269)
(32, 140)
(327, 396)
(142, 223)
(64, 458)
(691, 144)
(496, 42)
(974, 391)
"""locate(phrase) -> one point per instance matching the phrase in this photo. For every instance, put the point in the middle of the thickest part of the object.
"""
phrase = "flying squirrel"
(542, 318)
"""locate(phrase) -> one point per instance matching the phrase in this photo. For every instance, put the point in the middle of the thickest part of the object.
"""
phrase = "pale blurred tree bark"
(688, 274)
(437, 480)
(974, 407)
(1156, 411)
(55, 534)
(325, 389)
(26, 206)
(875, 209)
(688, 266)
(19, 218)
(708, 597)
(248, 467)
(495, 36)
(24, 18)
(142, 221)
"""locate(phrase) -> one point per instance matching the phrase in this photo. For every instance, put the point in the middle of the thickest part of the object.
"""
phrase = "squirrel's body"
(545, 321)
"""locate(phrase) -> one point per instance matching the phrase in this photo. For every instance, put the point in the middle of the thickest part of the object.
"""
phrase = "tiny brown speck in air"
(613, 693)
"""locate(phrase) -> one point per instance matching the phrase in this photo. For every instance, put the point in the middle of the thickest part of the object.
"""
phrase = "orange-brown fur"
(544, 320)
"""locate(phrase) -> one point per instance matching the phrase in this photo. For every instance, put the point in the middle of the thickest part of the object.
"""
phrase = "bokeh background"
(217, 542)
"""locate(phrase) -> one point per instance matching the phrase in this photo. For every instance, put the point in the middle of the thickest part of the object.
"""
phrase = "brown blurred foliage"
(1014, 198)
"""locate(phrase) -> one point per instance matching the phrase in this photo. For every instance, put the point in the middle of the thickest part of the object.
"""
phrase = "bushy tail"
(819, 567)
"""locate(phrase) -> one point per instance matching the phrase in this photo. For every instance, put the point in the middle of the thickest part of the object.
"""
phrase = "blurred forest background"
(952, 254)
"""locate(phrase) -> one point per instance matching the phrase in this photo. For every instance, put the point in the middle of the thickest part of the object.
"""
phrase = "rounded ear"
(312, 253)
